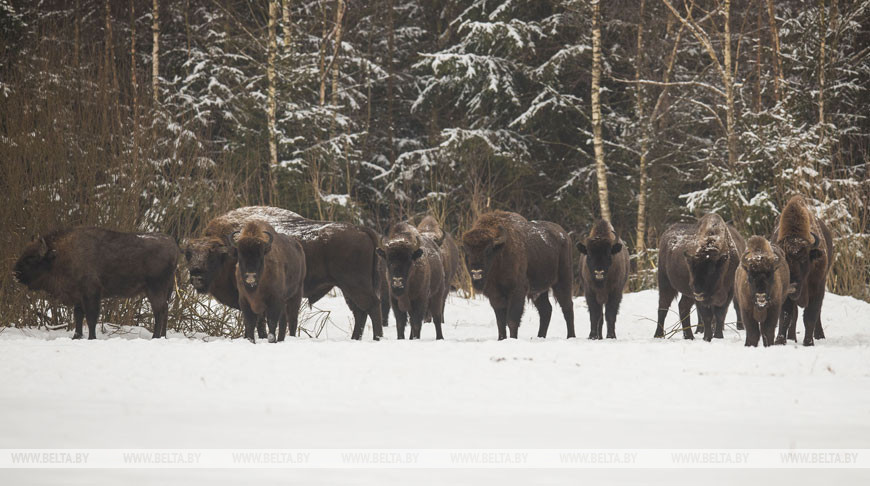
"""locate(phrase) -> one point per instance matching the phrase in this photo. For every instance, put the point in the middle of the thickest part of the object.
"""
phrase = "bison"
(449, 250)
(82, 265)
(510, 258)
(698, 261)
(336, 255)
(761, 285)
(416, 275)
(269, 276)
(604, 268)
(809, 248)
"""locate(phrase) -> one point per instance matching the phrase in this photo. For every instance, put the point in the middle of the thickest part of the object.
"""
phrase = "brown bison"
(336, 255)
(604, 272)
(449, 250)
(416, 275)
(809, 249)
(698, 261)
(510, 258)
(269, 276)
(81, 266)
(761, 285)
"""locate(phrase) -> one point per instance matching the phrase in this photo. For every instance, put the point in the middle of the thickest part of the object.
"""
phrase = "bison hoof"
(77, 336)
(719, 335)
(611, 335)
(92, 336)
(780, 340)
(660, 333)
(272, 338)
(819, 333)
(571, 335)
(808, 341)
(740, 326)
(688, 335)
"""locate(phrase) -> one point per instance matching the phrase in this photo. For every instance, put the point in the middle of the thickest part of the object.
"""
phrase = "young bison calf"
(761, 285)
(417, 285)
(510, 258)
(81, 266)
(604, 272)
(269, 275)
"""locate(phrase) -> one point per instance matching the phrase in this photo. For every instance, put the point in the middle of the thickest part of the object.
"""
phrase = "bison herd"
(264, 260)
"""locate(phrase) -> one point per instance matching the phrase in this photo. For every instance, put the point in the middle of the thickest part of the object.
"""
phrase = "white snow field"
(468, 391)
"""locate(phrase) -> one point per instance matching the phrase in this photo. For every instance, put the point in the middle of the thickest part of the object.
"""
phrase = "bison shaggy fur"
(604, 273)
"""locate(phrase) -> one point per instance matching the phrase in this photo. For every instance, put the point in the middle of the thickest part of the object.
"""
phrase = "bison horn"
(271, 237)
(43, 247)
(501, 237)
(815, 241)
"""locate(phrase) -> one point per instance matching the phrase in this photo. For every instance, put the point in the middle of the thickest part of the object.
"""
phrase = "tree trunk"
(729, 87)
(640, 243)
(601, 169)
(777, 60)
(758, 47)
(110, 64)
(339, 19)
(323, 42)
(135, 84)
(823, 30)
(285, 23)
(391, 46)
(272, 108)
(155, 53)
(77, 38)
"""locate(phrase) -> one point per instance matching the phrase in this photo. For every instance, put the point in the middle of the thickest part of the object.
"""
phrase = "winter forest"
(158, 115)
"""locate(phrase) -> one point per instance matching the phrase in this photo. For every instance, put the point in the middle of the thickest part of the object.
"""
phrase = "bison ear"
(815, 241)
(381, 253)
(815, 253)
(582, 247)
(417, 253)
(792, 289)
(269, 243)
(616, 248)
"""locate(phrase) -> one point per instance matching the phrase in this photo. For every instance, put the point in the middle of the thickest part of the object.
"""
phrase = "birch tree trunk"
(110, 64)
(601, 169)
(640, 242)
(272, 107)
(155, 53)
(391, 45)
(758, 47)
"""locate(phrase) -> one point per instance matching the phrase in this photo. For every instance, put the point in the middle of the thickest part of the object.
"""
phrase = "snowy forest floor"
(469, 391)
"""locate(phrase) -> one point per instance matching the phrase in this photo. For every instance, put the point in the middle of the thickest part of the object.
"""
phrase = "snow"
(469, 390)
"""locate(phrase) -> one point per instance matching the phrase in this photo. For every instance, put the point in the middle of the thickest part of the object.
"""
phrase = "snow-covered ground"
(468, 391)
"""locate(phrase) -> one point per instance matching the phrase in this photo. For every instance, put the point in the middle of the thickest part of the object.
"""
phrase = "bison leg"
(363, 301)
(401, 319)
(515, 313)
(159, 299)
(768, 327)
(812, 313)
(685, 307)
(438, 318)
(611, 313)
(562, 294)
(250, 319)
(699, 329)
(79, 316)
(788, 316)
(91, 307)
(595, 316)
(292, 314)
(739, 315)
(707, 316)
(752, 331)
(719, 316)
(262, 332)
(545, 310)
(666, 296)
(501, 321)
(820, 333)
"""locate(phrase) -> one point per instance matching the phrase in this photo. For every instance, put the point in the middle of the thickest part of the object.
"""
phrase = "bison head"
(599, 256)
(205, 256)
(251, 253)
(760, 268)
(800, 255)
(35, 263)
(400, 255)
(481, 246)
(706, 266)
